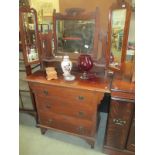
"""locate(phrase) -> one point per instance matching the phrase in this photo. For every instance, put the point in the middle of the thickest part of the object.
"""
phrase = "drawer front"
(65, 123)
(118, 125)
(59, 107)
(68, 95)
(58, 101)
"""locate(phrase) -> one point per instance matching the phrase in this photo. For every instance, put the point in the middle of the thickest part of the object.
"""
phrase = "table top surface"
(100, 84)
(124, 86)
(94, 84)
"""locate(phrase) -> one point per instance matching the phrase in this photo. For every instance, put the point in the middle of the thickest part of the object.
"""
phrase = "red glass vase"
(85, 64)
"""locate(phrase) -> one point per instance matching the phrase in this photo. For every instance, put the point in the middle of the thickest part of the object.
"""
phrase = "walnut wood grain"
(59, 107)
(121, 110)
(119, 120)
(114, 151)
(66, 123)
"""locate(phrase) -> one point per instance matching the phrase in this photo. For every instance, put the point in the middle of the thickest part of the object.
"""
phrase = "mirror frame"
(77, 16)
(115, 6)
(23, 34)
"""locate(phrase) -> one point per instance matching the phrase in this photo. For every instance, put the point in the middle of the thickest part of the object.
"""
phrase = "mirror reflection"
(118, 23)
(75, 36)
(30, 34)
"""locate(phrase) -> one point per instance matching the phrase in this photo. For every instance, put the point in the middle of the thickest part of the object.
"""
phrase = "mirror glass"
(75, 36)
(118, 23)
(29, 27)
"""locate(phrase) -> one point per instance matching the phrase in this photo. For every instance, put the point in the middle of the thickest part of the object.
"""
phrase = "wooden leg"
(91, 143)
(43, 130)
(92, 146)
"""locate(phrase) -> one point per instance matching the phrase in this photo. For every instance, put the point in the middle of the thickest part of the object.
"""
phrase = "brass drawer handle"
(64, 118)
(45, 92)
(119, 122)
(80, 98)
(81, 129)
(50, 121)
(48, 105)
(81, 113)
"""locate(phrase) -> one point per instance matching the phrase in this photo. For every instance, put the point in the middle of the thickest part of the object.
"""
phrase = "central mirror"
(75, 32)
(75, 36)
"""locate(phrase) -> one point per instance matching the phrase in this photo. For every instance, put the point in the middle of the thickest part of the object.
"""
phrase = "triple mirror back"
(76, 32)
(118, 29)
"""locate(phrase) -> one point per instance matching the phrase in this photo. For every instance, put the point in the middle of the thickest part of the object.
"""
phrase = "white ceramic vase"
(66, 66)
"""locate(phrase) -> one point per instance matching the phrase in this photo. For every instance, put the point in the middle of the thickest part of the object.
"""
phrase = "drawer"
(68, 95)
(118, 125)
(59, 107)
(65, 123)
(54, 100)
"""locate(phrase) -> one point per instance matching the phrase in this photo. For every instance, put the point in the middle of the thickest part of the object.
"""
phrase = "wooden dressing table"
(70, 107)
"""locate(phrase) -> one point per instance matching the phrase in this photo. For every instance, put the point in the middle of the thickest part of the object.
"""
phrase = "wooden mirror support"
(118, 29)
(29, 35)
(76, 32)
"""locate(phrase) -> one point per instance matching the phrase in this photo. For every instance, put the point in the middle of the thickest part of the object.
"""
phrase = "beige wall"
(39, 4)
(44, 8)
(90, 5)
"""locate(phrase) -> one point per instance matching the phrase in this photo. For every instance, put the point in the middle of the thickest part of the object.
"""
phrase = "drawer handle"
(48, 106)
(119, 122)
(50, 121)
(80, 129)
(81, 113)
(45, 92)
(81, 98)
